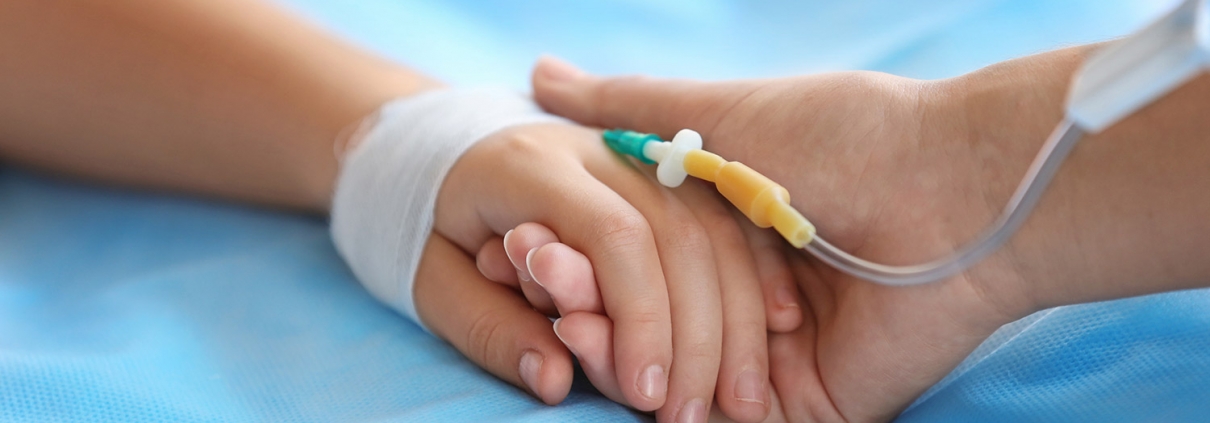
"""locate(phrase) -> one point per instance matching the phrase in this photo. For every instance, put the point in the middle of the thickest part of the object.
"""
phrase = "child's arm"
(225, 98)
(238, 100)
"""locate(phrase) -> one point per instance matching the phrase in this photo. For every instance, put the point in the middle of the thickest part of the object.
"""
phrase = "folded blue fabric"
(123, 306)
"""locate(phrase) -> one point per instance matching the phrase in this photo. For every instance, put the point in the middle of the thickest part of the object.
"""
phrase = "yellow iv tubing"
(767, 204)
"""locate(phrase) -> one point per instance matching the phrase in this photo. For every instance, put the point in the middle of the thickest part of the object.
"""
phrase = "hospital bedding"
(127, 306)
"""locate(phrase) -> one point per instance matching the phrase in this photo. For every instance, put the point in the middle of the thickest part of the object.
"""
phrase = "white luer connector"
(671, 171)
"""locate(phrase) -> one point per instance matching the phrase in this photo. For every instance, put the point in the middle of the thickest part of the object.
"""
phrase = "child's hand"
(652, 252)
(557, 279)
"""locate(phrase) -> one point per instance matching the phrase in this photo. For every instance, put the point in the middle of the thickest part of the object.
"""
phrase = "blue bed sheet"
(126, 306)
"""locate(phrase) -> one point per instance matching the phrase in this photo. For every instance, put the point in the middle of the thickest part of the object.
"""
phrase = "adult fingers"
(782, 310)
(638, 103)
(489, 323)
(566, 274)
(562, 272)
(519, 243)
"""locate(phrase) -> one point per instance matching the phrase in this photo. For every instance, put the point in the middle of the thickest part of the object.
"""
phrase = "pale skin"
(241, 101)
(902, 171)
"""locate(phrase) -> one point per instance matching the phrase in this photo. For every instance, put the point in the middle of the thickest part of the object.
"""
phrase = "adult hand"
(889, 169)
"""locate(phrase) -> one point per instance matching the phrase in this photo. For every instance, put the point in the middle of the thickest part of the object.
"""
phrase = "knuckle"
(484, 334)
(748, 333)
(623, 228)
(684, 236)
(647, 316)
(699, 351)
(723, 226)
(614, 88)
(519, 142)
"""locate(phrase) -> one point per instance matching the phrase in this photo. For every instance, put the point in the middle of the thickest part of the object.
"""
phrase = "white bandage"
(382, 212)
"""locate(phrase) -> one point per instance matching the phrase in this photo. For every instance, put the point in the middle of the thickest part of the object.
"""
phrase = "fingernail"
(479, 267)
(785, 297)
(558, 70)
(749, 387)
(522, 274)
(506, 253)
(564, 341)
(694, 411)
(653, 383)
(531, 364)
(529, 257)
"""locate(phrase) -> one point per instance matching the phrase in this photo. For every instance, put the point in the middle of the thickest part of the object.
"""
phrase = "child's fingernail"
(785, 297)
(749, 387)
(479, 265)
(531, 364)
(694, 411)
(558, 70)
(529, 270)
(653, 382)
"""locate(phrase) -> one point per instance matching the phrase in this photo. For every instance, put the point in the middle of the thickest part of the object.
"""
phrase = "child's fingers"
(608, 228)
(489, 323)
(549, 185)
(742, 390)
(782, 310)
(622, 248)
(518, 243)
(493, 263)
(567, 276)
(590, 337)
(688, 263)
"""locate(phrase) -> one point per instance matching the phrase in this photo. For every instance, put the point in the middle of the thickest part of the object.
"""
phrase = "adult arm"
(903, 171)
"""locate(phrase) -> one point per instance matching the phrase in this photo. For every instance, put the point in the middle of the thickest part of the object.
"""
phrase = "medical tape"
(382, 211)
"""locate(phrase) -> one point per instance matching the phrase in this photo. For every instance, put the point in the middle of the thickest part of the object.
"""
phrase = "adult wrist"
(1007, 111)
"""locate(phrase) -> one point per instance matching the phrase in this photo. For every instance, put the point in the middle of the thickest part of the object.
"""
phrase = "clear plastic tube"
(1043, 169)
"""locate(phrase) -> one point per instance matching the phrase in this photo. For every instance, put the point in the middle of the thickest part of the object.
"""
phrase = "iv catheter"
(1123, 77)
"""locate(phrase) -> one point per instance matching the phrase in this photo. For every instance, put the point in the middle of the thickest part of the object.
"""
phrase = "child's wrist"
(382, 209)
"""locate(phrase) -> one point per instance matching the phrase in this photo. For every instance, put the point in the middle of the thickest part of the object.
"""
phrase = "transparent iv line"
(1043, 169)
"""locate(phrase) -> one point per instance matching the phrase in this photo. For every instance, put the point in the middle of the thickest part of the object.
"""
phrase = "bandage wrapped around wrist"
(382, 212)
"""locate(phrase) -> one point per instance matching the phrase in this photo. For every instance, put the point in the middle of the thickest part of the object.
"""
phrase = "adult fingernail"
(750, 387)
(506, 253)
(558, 70)
(785, 297)
(694, 411)
(653, 382)
(564, 341)
(531, 364)
(529, 270)
(522, 274)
